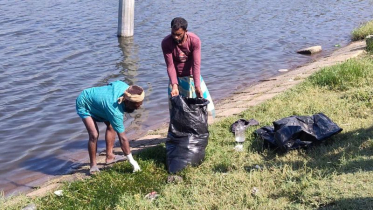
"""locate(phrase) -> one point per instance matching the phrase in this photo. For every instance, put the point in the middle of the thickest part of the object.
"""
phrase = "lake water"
(51, 50)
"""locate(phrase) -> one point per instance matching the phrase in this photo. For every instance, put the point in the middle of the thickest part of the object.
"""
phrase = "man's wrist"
(130, 158)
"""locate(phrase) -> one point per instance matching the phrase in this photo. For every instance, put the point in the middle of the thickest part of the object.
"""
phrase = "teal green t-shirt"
(102, 104)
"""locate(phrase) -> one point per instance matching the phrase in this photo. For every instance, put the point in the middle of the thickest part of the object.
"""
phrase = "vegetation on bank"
(363, 31)
(337, 174)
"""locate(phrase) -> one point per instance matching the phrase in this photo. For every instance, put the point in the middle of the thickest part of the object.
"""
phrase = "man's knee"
(93, 137)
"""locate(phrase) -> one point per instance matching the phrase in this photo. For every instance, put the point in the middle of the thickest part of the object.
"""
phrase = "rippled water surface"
(52, 50)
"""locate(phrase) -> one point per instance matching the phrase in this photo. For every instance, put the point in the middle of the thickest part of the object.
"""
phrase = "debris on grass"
(151, 196)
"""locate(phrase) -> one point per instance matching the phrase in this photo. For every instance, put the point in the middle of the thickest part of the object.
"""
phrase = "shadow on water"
(350, 203)
(50, 165)
(56, 165)
(75, 145)
(81, 145)
(61, 164)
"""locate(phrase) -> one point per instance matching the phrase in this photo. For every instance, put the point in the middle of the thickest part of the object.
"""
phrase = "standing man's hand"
(199, 92)
(175, 90)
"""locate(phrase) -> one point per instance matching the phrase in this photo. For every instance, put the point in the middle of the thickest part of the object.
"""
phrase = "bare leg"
(93, 133)
(110, 140)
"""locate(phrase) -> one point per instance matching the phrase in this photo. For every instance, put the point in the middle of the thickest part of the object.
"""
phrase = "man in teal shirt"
(107, 104)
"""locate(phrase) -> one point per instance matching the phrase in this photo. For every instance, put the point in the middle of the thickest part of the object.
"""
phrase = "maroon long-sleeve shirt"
(183, 60)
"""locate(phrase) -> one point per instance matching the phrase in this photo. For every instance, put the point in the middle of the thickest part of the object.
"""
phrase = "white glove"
(134, 163)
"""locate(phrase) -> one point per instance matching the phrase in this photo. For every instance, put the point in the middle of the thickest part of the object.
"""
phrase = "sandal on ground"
(117, 158)
(94, 170)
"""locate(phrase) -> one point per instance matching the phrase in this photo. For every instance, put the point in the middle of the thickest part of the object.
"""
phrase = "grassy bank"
(363, 31)
(335, 175)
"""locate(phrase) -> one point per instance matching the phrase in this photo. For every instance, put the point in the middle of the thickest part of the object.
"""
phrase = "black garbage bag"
(187, 134)
(298, 131)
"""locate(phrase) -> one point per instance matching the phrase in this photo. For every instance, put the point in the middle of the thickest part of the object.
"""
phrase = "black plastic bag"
(187, 134)
(245, 123)
(298, 131)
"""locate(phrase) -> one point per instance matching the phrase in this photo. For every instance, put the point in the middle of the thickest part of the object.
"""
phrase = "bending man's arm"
(125, 146)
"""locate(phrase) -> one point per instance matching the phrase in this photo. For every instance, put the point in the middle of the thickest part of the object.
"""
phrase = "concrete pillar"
(126, 15)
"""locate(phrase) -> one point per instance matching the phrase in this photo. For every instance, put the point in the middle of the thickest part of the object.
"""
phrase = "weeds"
(363, 31)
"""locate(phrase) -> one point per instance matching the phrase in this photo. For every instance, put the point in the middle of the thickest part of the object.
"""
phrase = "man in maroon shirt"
(182, 54)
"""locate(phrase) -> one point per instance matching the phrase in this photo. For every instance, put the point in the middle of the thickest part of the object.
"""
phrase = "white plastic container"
(240, 133)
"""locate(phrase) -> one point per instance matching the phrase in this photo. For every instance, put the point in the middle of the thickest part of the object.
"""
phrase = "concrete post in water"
(126, 16)
(369, 42)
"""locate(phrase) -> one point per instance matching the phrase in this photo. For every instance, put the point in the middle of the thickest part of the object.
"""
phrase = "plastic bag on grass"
(245, 123)
(187, 133)
(298, 131)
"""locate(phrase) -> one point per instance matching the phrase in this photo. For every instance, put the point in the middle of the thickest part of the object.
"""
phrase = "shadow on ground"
(350, 203)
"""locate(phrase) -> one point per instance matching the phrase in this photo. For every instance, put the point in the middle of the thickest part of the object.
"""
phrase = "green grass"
(337, 174)
(352, 73)
(363, 31)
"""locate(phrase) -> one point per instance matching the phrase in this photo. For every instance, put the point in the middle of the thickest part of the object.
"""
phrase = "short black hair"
(179, 22)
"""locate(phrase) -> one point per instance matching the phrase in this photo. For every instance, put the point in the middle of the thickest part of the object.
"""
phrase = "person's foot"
(94, 170)
(115, 158)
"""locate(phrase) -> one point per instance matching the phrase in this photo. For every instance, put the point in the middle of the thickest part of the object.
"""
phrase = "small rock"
(31, 206)
(258, 167)
(310, 50)
(254, 191)
(58, 192)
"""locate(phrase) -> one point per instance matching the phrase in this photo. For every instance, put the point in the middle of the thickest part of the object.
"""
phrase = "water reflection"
(130, 63)
(129, 66)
